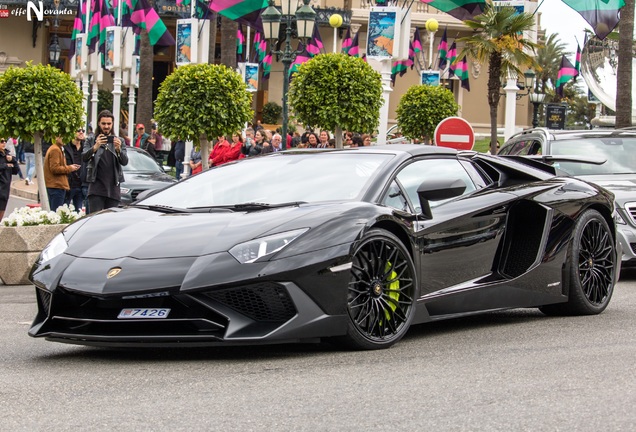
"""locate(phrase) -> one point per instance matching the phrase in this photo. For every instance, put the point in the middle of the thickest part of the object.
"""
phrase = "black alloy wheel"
(381, 292)
(592, 268)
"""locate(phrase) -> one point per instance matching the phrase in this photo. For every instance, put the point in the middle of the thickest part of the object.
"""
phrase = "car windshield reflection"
(620, 153)
(276, 179)
(141, 162)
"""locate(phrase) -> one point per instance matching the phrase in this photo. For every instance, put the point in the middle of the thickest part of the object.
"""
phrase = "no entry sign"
(455, 132)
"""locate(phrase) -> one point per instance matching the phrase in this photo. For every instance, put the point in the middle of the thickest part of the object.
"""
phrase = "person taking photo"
(105, 155)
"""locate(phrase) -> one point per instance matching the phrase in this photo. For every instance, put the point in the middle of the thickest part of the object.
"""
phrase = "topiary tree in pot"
(421, 109)
(337, 92)
(203, 101)
(39, 102)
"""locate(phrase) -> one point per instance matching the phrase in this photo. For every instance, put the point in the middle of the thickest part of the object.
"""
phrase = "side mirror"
(436, 190)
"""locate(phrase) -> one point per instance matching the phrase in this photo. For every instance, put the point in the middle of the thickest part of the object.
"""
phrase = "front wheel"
(381, 292)
(591, 267)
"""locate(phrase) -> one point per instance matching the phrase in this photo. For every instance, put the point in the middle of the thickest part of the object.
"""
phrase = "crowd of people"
(87, 171)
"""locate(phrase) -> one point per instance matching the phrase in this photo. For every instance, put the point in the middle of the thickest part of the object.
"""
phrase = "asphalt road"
(504, 371)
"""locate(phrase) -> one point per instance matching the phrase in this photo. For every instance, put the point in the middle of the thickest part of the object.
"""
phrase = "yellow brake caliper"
(394, 288)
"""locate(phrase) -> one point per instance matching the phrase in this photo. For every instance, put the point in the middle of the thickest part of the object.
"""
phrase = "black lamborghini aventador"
(351, 245)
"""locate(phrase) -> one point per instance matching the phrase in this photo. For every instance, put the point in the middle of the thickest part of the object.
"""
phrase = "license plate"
(143, 313)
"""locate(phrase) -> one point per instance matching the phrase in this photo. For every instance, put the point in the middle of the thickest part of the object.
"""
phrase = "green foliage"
(337, 90)
(39, 99)
(203, 99)
(421, 109)
(271, 112)
(105, 100)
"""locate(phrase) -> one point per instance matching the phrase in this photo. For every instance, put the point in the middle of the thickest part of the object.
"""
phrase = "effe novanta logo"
(33, 8)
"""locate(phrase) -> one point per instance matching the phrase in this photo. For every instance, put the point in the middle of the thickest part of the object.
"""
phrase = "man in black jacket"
(105, 155)
(73, 152)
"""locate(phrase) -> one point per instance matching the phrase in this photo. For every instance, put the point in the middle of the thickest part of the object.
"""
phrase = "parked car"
(618, 174)
(350, 245)
(140, 174)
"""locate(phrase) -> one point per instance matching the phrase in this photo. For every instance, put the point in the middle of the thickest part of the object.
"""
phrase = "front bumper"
(264, 313)
(627, 239)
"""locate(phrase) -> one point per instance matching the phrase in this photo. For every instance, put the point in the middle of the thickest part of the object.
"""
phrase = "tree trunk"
(494, 85)
(144, 97)
(39, 171)
(212, 48)
(338, 136)
(624, 72)
(228, 42)
(205, 152)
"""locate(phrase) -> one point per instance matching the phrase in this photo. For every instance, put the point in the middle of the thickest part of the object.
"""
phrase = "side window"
(395, 198)
(412, 176)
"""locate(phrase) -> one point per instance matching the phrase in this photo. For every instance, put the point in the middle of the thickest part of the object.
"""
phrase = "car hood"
(145, 234)
(147, 180)
(623, 186)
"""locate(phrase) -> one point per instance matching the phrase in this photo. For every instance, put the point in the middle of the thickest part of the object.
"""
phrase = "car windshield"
(620, 153)
(276, 179)
(141, 162)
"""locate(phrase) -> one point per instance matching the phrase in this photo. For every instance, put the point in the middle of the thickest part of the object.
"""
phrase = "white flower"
(27, 216)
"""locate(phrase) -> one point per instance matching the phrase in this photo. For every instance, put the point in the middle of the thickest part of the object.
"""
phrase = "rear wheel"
(381, 292)
(591, 267)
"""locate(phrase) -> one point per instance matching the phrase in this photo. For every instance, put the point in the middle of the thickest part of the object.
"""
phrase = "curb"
(19, 189)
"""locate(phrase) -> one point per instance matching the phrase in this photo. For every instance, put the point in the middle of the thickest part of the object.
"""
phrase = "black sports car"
(352, 245)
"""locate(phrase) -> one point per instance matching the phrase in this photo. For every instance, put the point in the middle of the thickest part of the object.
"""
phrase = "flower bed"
(23, 235)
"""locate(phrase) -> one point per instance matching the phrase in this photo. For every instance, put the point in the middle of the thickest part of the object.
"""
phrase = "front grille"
(264, 302)
(44, 299)
(631, 211)
(134, 193)
(75, 313)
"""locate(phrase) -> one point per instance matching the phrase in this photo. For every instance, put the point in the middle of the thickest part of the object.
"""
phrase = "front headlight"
(618, 218)
(57, 246)
(123, 190)
(252, 250)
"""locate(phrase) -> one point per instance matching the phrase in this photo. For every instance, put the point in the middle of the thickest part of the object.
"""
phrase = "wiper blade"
(160, 208)
(248, 206)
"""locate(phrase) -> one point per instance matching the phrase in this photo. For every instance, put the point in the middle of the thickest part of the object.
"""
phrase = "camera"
(109, 139)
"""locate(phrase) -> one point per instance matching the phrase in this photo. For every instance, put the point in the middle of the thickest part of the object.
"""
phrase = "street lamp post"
(537, 99)
(305, 20)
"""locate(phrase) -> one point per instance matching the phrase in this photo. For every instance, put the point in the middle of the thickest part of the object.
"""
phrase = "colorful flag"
(100, 19)
(347, 42)
(267, 66)
(300, 59)
(140, 15)
(260, 47)
(240, 40)
(417, 41)
(78, 26)
(354, 49)
(460, 9)
(246, 12)
(461, 71)
(399, 67)
(577, 62)
(411, 59)
(602, 15)
(315, 46)
(452, 58)
(442, 48)
(566, 73)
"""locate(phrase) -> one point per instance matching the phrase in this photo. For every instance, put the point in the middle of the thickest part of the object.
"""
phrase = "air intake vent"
(261, 302)
(44, 298)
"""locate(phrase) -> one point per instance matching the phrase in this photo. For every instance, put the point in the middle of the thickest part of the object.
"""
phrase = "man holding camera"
(105, 155)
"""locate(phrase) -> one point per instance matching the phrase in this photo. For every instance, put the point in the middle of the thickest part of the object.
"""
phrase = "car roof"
(562, 134)
(397, 149)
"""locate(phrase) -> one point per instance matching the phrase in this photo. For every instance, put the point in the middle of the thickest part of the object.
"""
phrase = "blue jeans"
(30, 165)
(178, 166)
(76, 197)
(56, 197)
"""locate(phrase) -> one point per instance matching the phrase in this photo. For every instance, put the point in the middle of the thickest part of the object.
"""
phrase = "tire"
(591, 267)
(381, 293)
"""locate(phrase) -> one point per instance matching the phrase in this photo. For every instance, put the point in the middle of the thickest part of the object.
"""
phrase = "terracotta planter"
(20, 247)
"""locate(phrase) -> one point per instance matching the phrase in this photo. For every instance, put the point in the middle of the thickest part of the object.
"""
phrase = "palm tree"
(549, 60)
(498, 40)
(624, 73)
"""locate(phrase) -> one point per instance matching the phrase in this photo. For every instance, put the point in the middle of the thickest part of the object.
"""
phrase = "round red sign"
(455, 132)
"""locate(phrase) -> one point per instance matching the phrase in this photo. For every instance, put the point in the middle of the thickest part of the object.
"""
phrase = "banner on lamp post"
(384, 33)
(186, 50)
(113, 48)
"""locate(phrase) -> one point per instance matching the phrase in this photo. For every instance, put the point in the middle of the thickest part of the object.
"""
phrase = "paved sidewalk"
(20, 189)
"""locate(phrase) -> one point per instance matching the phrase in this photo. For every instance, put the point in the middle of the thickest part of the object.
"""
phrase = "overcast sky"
(557, 17)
